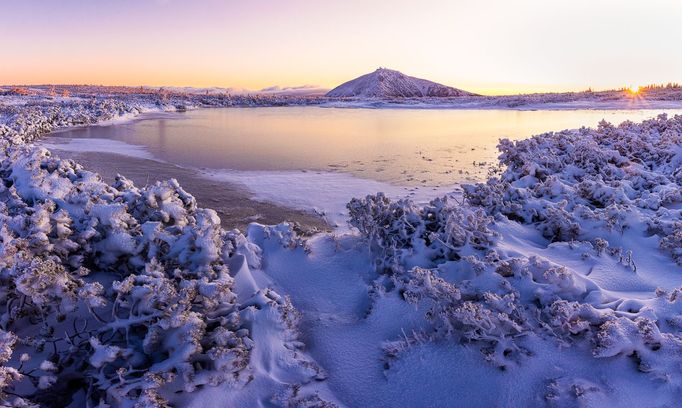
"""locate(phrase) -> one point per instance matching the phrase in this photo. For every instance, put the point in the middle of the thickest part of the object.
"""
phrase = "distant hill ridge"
(387, 83)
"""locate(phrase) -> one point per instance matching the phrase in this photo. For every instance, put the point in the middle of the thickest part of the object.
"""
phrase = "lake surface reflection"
(400, 146)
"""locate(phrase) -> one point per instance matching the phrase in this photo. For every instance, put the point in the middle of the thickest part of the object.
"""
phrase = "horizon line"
(320, 88)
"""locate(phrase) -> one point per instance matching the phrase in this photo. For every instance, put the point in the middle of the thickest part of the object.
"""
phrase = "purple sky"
(484, 46)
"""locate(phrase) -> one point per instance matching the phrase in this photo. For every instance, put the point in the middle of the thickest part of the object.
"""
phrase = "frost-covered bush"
(560, 181)
(588, 194)
(399, 232)
(128, 289)
(169, 312)
(672, 240)
(557, 224)
(8, 374)
(462, 313)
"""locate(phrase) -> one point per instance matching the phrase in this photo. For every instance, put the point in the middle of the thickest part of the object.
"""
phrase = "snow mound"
(387, 83)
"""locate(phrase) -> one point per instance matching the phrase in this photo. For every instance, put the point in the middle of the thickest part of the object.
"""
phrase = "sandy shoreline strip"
(232, 202)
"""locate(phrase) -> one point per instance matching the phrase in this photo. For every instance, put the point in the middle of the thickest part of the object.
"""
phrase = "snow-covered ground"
(98, 145)
(554, 283)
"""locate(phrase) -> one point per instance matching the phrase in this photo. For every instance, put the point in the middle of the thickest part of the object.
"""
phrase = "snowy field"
(553, 283)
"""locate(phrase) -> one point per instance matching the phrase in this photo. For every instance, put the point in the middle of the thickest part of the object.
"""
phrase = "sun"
(634, 90)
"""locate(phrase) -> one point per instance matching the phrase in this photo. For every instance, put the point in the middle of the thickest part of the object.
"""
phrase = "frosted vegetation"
(126, 296)
(118, 295)
(371, 93)
(600, 200)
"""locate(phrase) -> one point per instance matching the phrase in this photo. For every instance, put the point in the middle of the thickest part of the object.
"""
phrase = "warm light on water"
(407, 147)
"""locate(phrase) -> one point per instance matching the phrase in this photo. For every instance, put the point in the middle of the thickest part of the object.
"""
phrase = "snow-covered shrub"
(8, 374)
(655, 352)
(558, 224)
(172, 327)
(556, 180)
(390, 227)
(398, 232)
(123, 293)
(672, 241)
(581, 190)
(462, 313)
(292, 398)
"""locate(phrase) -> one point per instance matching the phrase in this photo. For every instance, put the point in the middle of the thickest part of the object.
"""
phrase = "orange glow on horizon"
(254, 45)
(634, 91)
(215, 80)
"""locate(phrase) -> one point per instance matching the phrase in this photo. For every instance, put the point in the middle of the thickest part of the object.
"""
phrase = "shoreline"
(267, 193)
(316, 200)
(624, 105)
(232, 202)
(143, 169)
(119, 120)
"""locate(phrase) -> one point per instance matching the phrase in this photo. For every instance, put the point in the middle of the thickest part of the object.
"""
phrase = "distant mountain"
(387, 83)
(300, 91)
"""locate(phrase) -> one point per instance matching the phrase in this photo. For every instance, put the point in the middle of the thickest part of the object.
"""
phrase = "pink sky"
(491, 46)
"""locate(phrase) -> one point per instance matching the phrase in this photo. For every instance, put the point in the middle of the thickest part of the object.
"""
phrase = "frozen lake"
(310, 158)
(406, 147)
